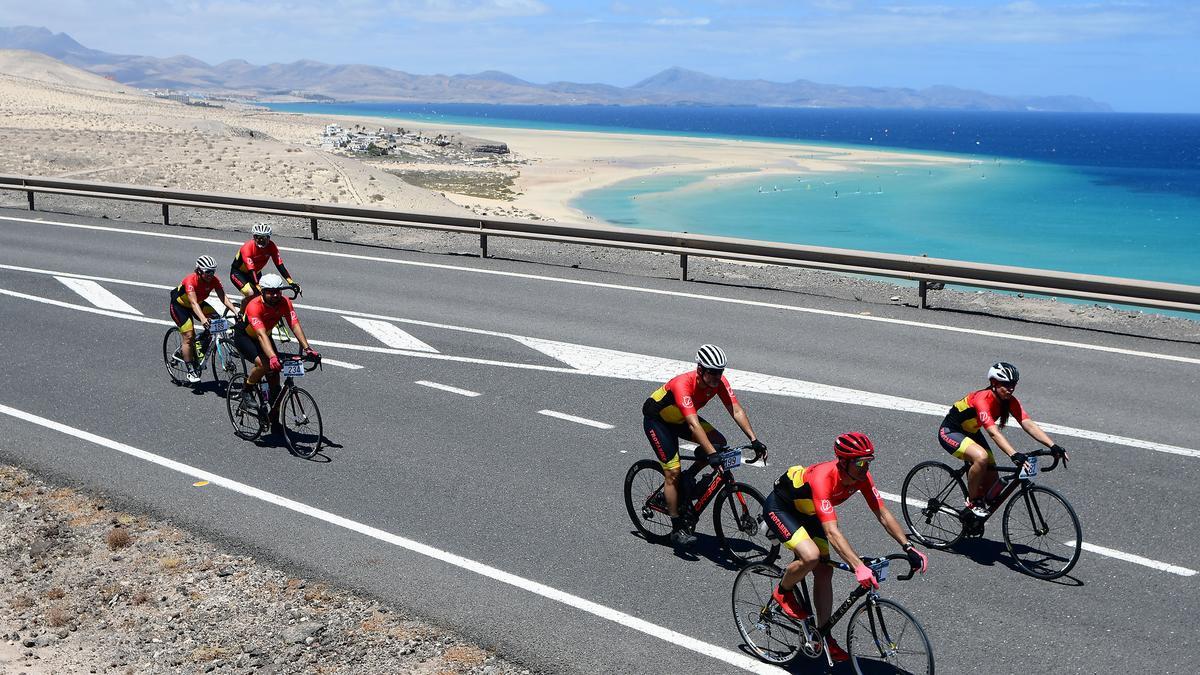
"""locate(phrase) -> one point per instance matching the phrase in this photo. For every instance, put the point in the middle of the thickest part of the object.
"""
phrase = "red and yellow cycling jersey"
(980, 410)
(683, 395)
(200, 285)
(253, 258)
(262, 317)
(815, 490)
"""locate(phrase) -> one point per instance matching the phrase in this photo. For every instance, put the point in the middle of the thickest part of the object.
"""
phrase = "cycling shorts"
(664, 438)
(793, 527)
(248, 346)
(242, 280)
(183, 317)
(956, 443)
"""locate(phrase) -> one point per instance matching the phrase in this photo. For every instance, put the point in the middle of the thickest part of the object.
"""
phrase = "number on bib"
(293, 369)
(1032, 471)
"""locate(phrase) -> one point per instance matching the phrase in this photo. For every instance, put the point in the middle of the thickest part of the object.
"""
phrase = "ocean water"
(1112, 194)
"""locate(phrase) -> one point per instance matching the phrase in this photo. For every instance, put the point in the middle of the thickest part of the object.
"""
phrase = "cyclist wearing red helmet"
(800, 512)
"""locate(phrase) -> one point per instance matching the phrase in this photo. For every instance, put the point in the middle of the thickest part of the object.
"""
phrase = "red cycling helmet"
(853, 446)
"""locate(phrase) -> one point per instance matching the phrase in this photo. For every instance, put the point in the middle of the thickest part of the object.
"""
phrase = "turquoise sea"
(1112, 194)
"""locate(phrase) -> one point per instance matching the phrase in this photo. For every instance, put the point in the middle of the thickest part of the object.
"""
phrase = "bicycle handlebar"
(704, 458)
(873, 562)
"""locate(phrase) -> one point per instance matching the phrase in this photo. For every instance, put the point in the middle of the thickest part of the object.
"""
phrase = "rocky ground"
(86, 589)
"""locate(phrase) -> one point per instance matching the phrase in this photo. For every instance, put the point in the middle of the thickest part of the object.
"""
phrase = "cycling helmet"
(1004, 373)
(261, 230)
(853, 445)
(711, 357)
(272, 281)
(206, 263)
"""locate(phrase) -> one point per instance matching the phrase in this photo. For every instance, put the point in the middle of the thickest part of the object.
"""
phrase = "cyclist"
(670, 413)
(251, 260)
(252, 334)
(988, 409)
(188, 302)
(800, 512)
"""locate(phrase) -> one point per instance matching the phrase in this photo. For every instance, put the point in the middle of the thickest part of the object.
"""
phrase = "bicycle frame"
(723, 478)
(1013, 485)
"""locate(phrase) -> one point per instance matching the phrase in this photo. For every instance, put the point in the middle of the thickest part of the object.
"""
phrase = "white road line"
(340, 364)
(577, 420)
(97, 294)
(390, 335)
(652, 291)
(641, 625)
(599, 362)
(446, 387)
(1102, 550)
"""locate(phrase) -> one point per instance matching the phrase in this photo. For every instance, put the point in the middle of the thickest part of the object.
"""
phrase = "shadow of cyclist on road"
(988, 552)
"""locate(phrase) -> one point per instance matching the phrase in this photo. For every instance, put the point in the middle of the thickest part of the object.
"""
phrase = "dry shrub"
(22, 601)
(316, 593)
(57, 617)
(56, 593)
(139, 598)
(209, 653)
(118, 538)
(465, 656)
(171, 563)
(375, 623)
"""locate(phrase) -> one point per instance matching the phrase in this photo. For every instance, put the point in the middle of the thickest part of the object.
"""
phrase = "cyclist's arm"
(738, 413)
(891, 526)
(698, 433)
(1000, 440)
(283, 271)
(264, 345)
(1036, 432)
(300, 335)
(225, 300)
(196, 308)
(838, 542)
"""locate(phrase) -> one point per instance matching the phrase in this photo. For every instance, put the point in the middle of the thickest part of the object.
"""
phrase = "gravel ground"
(90, 590)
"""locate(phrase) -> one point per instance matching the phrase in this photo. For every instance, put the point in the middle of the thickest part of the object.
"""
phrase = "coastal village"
(409, 144)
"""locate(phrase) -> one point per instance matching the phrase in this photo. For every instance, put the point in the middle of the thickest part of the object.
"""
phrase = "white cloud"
(693, 21)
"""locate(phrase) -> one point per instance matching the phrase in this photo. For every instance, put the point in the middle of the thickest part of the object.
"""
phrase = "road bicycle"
(737, 515)
(214, 345)
(882, 636)
(300, 419)
(1041, 531)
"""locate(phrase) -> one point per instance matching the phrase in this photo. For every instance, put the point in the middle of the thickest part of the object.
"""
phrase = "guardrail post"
(482, 242)
(921, 290)
(683, 260)
(30, 196)
(312, 225)
(166, 214)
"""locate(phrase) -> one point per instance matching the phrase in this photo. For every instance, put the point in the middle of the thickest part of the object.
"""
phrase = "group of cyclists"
(800, 508)
(263, 307)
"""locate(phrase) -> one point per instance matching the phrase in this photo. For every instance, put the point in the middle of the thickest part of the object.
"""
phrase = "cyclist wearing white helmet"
(989, 410)
(251, 260)
(188, 302)
(252, 334)
(670, 413)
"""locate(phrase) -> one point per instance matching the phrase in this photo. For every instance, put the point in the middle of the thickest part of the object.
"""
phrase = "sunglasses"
(863, 463)
(711, 371)
(261, 239)
(208, 273)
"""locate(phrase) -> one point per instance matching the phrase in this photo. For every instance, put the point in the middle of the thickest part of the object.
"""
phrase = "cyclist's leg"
(248, 348)
(789, 528)
(974, 450)
(665, 444)
(244, 282)
(183, 321)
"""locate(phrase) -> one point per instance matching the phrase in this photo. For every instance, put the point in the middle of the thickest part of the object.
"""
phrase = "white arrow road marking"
(577, 420)
(97, 294)
(390, 335)
(446, 387)
(549, 592)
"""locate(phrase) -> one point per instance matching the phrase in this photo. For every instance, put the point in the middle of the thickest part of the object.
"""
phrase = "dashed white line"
(390, 335)
(340, 364)
(446, 387)
(628, 620)
(577, 420)
(97, 294)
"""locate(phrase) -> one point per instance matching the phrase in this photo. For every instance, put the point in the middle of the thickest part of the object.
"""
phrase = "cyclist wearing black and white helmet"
(251, 260)
(188, 302)
(670, 413)
(988, 409)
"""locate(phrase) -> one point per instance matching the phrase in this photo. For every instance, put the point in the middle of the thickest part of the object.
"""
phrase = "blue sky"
(1134, 55)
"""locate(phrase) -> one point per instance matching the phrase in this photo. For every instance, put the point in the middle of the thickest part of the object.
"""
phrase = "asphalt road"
(489, 479)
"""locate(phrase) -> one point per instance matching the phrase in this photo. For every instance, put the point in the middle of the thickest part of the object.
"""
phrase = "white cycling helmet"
(273, 281)
(261, 230)
(711, 357)
(206, 263)
(1004, 373)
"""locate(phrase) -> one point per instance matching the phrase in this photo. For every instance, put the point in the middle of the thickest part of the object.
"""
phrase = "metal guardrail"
(930, 273)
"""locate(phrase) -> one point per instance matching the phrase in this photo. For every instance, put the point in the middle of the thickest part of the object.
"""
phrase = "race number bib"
(1032, 470)
(293, 369)
(218, 325)
(731, 459)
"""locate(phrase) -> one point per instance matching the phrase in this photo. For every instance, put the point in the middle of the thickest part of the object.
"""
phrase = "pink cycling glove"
(866, 578)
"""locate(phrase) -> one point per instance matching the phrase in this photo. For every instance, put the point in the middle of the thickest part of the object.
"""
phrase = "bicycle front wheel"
(301, 423)
(771, 635)
(1042, 532)
(738, 521)
(242, 406)
(224, 362)
(932, 500)
(883, 637)
(646, 501)
(173, 356)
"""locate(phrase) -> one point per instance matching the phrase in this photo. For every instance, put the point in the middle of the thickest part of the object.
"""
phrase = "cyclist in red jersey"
(251, 260)
(670, 413)
(187, 302)
(252, 334)
(988, 410)
(800, 512)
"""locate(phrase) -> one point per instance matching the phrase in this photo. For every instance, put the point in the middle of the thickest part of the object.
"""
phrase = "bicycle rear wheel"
(242, 406)
(1040, 527)
(932, 500)
(173, 356)
(771, 635)
(301, 422)
(738, 521)
(646, 501)
(883, 637)
(225, 363)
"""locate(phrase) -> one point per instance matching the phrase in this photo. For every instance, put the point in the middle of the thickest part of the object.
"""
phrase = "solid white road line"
(97, 294)
(446, 387)
(340, 364)
(390, 335)
(641, 625)
(652, 291)
(1102, 550)
(577, 420)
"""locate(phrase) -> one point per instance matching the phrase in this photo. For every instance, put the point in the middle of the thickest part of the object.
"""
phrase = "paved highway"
(479, 513)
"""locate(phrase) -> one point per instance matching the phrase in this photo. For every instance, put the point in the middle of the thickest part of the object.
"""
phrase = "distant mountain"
(674, 86)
